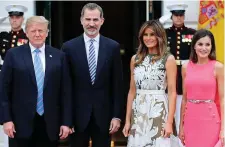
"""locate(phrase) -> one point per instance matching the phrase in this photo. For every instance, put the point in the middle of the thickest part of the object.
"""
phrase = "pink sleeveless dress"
(201, 120)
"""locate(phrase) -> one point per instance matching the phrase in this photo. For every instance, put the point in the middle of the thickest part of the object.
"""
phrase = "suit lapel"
(101, 56)
(82, 55)
(48, 63)
(29, 62)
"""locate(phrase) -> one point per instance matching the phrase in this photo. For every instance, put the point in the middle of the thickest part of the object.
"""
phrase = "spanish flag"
(211, 17)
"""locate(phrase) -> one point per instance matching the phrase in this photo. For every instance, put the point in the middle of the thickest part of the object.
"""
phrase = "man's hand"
(9, 129)
(114, 125)
(64, 132)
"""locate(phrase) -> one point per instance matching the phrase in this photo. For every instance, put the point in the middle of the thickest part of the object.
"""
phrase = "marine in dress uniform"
(179, 39)
(16, 36)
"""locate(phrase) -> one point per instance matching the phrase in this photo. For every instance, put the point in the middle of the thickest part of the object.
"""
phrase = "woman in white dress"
(150, 112)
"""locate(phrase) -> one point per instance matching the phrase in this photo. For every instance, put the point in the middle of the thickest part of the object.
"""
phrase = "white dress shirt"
(95, 43)
(41, 54)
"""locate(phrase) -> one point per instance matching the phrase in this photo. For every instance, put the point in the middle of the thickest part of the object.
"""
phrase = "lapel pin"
(50, 56)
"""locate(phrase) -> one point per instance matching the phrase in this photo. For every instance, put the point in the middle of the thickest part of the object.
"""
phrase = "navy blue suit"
(102, 101)
(18, 91)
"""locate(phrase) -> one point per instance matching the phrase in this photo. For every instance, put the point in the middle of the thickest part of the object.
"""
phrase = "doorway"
(122, 22)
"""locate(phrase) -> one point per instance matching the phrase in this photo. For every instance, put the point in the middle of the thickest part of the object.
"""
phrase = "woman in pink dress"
(202, 126)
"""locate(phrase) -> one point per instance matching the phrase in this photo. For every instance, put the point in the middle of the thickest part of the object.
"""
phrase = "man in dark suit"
(15, 37)
(96, 72)
(35, 95)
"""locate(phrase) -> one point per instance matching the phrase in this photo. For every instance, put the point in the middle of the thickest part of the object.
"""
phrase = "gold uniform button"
(168, 42)
(178, 37)
(178, 47)
(178, 52)
(178, 33)
(3, 44)
(12, 45)
(178, 42)
(13, 40)
(178, 58)
(14, 36)
(3, 50)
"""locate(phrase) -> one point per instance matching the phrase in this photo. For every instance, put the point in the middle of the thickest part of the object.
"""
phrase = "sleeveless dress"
(201, 120)
(150, 106)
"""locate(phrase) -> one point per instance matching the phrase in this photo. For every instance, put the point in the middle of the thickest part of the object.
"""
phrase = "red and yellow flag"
(211, 17)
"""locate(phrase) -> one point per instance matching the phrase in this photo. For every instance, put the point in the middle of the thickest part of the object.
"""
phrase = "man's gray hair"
(36, 19)
(92, 6)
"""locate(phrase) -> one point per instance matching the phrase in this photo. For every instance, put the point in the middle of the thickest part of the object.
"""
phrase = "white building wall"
(191, 13)
(5, 26)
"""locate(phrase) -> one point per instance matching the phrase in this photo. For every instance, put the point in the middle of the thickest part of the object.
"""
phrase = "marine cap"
(177, 9)
(16, 10)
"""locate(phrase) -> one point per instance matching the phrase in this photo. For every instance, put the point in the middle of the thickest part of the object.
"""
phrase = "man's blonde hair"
(36, 19)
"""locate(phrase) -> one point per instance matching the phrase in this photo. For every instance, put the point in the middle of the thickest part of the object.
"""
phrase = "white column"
(147, 10)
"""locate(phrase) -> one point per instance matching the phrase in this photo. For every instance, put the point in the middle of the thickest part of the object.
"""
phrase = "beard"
(91, 32)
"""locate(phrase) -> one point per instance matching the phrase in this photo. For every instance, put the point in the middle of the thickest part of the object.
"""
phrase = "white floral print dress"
(150, 106)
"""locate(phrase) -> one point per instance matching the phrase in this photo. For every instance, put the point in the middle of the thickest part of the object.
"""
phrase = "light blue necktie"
(92, 61)
(39, 74)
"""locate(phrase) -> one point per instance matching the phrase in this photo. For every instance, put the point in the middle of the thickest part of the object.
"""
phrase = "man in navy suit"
(35, 90)
(96, 71)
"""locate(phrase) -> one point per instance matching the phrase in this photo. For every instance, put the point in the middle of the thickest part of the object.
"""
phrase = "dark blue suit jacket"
(104, 99)
(18, 91)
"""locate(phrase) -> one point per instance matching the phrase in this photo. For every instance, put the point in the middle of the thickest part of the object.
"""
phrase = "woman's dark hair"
(198, 35)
